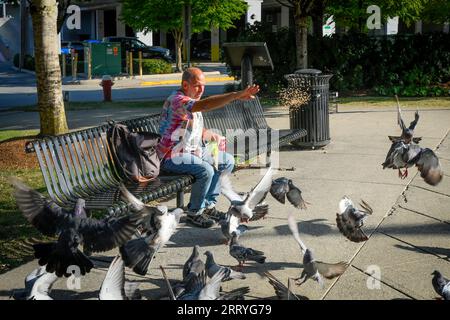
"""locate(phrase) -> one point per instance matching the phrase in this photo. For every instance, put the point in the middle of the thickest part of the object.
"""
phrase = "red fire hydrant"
(107, 84)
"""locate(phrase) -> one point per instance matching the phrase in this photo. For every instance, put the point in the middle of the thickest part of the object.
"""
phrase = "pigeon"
(138, 253)
(52, 220)
(314, 269)
(350, 219)
(260, 212)
(242, 254)
(402, 155)
(149, 223)
(38, 285)
(441, 285)
(212, 268)
(243, 207)
(194, 265)
(231, 224)
(114, 286)
(407, 132)
(283, 188)
(282, 292)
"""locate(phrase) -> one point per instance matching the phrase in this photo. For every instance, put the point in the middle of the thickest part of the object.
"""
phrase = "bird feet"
(403, 175)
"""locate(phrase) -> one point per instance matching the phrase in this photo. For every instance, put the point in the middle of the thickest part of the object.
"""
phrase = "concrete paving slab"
(354, 285)
(401, 268)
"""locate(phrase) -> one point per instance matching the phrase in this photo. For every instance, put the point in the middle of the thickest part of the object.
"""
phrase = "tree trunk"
(318, 26)
(301, 41)
(48, 73)
(178, 36)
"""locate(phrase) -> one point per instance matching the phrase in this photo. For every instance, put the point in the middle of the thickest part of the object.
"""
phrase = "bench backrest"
(76, 165)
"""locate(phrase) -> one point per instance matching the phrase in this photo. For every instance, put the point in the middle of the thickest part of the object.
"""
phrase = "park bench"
(80, 164)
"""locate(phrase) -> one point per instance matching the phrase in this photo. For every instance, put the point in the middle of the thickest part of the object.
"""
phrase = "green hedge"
(152, 66)
(409, 65)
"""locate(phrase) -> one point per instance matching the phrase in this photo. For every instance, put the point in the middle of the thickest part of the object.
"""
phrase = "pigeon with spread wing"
(350, 219)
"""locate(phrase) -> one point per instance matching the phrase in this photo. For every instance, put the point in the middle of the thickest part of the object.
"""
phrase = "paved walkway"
(408, 239)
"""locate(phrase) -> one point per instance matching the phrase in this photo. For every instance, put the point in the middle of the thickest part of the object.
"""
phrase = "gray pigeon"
(242, 254)
(243, 207)
(212, 268)
(350, 219)
(402, 155)
(38, 285)
(314, 269)
(139, 253)
(231, 224)
(407, 134)
(441, 285)
(194, 265)
(283, 188)
(72, 230)
(114, 286)
(282, 292)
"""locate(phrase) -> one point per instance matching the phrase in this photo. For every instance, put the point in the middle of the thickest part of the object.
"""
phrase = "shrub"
(404, 64)
(152, 66)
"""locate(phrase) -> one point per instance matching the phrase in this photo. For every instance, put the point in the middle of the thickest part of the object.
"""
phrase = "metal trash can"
(312, 113)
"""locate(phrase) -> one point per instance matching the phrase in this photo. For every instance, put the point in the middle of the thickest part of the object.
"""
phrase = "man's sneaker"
(215, 214)
(200, 220)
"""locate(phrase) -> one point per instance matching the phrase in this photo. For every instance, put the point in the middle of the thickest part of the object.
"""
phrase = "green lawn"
(10, 134)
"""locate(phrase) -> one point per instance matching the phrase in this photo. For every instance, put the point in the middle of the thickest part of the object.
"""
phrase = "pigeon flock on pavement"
(140, 235)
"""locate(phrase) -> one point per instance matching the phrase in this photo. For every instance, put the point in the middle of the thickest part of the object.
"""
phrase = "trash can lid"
(308, 71)
(106, 77)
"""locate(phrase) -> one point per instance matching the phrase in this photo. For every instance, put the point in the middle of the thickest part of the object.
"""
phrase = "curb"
(23, 70)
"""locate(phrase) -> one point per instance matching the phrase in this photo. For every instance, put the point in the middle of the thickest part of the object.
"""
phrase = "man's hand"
(249, 92)
(209, 135)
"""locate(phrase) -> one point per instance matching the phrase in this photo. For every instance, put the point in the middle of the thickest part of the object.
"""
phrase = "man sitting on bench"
(182, 146)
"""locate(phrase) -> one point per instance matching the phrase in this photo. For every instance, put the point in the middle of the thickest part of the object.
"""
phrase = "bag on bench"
(135, 152)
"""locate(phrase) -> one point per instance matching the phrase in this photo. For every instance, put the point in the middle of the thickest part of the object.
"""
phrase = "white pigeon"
(42, 285)
(243, 207)
(114, 286)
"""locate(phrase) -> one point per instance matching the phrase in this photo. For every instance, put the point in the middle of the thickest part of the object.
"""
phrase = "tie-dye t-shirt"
(181, 129)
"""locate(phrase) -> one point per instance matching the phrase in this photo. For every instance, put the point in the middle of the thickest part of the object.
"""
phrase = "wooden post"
(75, 67)
(140, 63)
(89, 63)
(64, 73)
(131, 63)
(126, 61)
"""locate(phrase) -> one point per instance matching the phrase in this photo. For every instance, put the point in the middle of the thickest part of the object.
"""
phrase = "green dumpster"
(105, 58)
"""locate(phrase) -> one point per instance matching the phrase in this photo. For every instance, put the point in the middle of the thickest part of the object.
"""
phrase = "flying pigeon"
(138, 253)
(282, 292)
(441, 285)
(38, 285)
(243, 207)
(212, 268)
(72, 230)
(242, 254)
(231, 224)
(314, 269)
(402, 155)
(114, 286)
(283, 188)
(407, 132)
(350, 219)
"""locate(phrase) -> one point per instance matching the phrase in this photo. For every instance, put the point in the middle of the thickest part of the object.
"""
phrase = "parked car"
(148, 52)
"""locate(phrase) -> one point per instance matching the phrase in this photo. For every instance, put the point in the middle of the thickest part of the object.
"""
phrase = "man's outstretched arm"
(218, 101)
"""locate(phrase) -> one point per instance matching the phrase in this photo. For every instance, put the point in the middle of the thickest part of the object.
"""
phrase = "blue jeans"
(206, 187)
